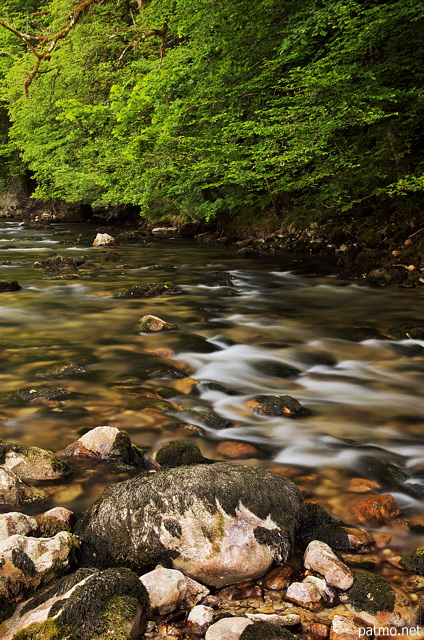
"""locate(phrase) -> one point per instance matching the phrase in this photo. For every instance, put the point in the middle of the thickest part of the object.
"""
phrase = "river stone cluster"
(218, 523)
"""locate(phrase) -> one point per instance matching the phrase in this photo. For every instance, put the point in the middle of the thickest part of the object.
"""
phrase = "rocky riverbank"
(382, 250)
(191, 547)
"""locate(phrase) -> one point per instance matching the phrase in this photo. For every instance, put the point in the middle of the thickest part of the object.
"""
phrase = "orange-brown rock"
(318, 631)
(376, 510)
(278, 578)
(236, 450)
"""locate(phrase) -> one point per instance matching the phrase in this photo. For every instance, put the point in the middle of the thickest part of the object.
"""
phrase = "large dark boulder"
(218, 523)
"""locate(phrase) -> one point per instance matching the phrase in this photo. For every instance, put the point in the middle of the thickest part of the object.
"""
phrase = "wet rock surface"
(151, 290)
(88, 604)
(250, 515)
(26, 563)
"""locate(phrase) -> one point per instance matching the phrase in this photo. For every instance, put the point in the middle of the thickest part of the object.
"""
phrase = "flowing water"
(360, 378)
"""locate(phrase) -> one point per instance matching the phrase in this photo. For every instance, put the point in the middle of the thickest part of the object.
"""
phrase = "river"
(358, 376)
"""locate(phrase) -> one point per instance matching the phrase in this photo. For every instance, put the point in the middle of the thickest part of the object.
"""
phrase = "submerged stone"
(218, 523)
(150, 290)
(153, 324)
(9, 285)
(88, 604)
(49, 393)
(63, 371)
(414, 561)
(275, 405)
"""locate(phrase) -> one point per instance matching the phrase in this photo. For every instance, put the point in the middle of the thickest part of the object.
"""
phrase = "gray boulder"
(217, 523)
(85, 605)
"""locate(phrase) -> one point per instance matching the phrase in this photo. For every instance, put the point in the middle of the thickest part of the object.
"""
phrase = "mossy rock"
(32, 462)
(178, 453)
(371, 593)
(49, 393)
(414, 561)
(49, 526)
(63, 371)
(103, 605)
(9, 285)
(266, 631)
(205, 502)
(150, 290)
(277, 405)
(320, 525)
(408, 330)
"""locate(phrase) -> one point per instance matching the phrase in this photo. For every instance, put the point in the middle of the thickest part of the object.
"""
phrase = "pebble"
(320, 557)
(278, 578)
(318, 631)
(304, 594)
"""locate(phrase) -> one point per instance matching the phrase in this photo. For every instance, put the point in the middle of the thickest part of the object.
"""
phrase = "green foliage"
(239, 107)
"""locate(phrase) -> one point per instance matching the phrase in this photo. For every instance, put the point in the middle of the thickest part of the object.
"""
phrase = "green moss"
(129, 453)
(35, 454)
(49, 526)
(117, 614)
(266, 631)
(47, 630)
(414, 561)
(92, 607)
(178, 453)
(371, 593)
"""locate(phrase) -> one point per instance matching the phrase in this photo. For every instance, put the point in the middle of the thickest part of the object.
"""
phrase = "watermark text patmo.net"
(374, 631)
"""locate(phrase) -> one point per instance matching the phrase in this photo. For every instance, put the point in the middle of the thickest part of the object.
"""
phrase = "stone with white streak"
(110, 604)
(26, 563)
(217, 523)
(167, 588)
(319, 557)
(104, 240)
(16, 523)
(227, 629)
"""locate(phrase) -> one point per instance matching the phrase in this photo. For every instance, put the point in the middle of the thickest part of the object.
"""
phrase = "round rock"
(217, 523)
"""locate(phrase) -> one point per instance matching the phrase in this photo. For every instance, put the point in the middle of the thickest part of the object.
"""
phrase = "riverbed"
(276, 325)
